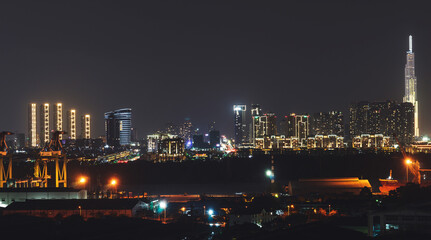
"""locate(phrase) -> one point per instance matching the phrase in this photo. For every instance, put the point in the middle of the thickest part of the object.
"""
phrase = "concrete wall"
(8, 197)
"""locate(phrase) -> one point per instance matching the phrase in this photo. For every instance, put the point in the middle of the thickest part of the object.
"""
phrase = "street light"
(114, 183)
(270, 174)
(163, 205)
(211, 212)
(408, 163)
(82, 181)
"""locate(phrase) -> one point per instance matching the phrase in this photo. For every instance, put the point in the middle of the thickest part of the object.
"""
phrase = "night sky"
(170, 60)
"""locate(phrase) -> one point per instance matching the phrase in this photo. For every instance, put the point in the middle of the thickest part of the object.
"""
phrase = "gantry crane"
(4, 154)
(52, 152)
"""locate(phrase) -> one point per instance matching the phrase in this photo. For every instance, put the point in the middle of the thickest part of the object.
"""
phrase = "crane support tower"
(4, 155)
(52, 152)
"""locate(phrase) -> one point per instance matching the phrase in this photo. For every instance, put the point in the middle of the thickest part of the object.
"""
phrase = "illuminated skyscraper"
(58, 118)
(118, 125)
(256, 112)
(86, 126)
(411, 85)
(240, 124)
(32, 125)
(71, 124)
(44, 124)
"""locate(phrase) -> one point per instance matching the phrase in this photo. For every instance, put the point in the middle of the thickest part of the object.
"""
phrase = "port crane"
(5, 174)
(53, 151)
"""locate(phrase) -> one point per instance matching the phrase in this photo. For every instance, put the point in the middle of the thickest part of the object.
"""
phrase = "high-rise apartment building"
(256, 112)
(32, 125)
(118, 126)
(86, 126)
(385, 118)
(327, 123)
(410, 95)
(58, 118)
(44, 124)
(71, 124)
(296, 126)
(185, 130)
(265, 125)
(240, 124)
(301, 127)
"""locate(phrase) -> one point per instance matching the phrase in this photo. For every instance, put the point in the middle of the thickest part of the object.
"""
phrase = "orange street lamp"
(408, 162)
(114, 183)
(82, 180)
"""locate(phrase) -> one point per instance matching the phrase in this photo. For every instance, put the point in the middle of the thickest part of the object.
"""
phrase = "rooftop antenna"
(410, 43)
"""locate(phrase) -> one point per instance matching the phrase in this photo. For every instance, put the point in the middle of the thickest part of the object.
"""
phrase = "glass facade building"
(118, 127)
(240, 124)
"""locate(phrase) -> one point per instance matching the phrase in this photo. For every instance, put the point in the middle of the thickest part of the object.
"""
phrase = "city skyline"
(307, 59)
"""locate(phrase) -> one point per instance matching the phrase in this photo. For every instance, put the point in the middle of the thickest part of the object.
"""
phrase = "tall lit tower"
(44, 124)
(71, 123)
(58, 118)
(86, 127)
(240, 124)
(32, 125)
(411, 84)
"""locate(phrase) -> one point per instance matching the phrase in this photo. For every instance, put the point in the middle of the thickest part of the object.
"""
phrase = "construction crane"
(4, 154)
(53, 151)
(413, 166)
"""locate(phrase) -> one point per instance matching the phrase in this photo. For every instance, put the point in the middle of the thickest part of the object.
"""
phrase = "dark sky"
(170, 60)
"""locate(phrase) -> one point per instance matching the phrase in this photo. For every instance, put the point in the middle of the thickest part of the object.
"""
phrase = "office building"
(32, 125)
(171, 149)
(86, 126)
(240, 124)
(44, 124)
(71, 124)
(199, 143)
(154, 141)
(410, 95)
(214, 136)
(118, 125)
(16, 141)
(58, 118)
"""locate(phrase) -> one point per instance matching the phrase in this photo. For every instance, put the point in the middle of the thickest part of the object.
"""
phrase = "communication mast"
(4, 154)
